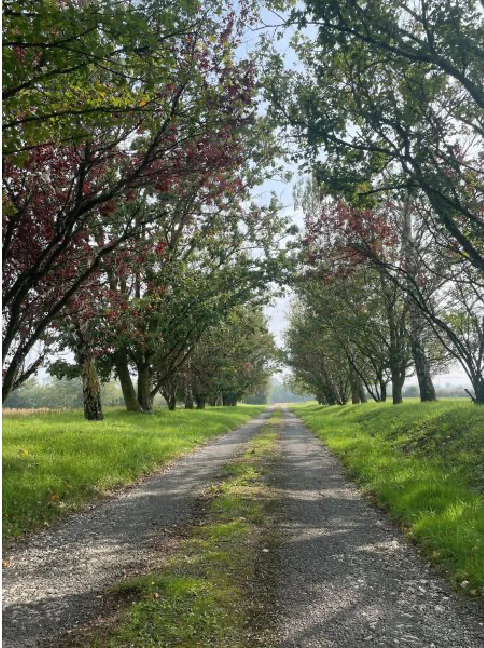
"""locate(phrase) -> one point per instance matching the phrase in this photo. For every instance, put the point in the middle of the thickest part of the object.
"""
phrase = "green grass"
(424, 463)
(53, 464)
(202, 598)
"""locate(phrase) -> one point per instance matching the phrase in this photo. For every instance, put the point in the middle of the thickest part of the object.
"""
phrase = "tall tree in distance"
(341, 240)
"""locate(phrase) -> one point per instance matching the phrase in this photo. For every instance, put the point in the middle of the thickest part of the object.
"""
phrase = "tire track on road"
(56, 578)
(348, 579)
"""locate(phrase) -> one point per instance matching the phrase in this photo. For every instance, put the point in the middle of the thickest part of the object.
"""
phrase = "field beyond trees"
(423, 462)
(55, 463)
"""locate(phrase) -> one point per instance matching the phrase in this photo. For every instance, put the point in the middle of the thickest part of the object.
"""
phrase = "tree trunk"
(229, 399)
(479, 389)
(422, 365)
(145, 399)
(200, 401)
(478, 386)
(91, 389)
(9, 379)
(383, 391)
(129, 392)
(420, 359)
(398, 381)
(355, 385)
(170, 396)
(212, 400)
(397, 394)
(188, 386)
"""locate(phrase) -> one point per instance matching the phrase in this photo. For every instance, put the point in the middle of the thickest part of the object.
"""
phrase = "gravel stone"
(348, 578)
(56, 579)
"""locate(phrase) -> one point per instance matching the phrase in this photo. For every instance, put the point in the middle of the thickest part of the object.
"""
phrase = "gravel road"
(57, 577)
(347, 577)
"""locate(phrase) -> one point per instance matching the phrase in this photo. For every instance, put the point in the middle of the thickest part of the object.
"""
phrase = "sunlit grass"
(55, 463)
(424, 462)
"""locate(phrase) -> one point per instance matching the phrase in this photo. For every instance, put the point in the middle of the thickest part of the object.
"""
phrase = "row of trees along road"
(386, 113)
(131, 144)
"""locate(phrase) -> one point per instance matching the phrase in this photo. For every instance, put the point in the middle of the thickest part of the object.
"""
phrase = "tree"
(408, 103)
(71, 164)
(403, 124)
(343, 242)
(234, 358)
(316, 359)
(155, 301)
(444, 294)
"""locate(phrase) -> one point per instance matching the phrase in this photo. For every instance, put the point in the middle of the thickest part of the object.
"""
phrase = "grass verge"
(53, 464)
(215, 589)
(423, 462)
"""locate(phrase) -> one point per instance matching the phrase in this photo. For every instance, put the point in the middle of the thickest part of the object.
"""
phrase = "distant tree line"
(53, 393)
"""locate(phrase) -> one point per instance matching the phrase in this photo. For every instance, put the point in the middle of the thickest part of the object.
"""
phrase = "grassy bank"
(53, 464)
(212, 590)
(424, 463)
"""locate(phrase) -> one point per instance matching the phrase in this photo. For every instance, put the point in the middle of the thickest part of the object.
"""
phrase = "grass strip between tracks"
(215, 588)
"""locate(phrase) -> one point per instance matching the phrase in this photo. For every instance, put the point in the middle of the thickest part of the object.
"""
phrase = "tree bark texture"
(188, 386)
(145, 399)
(420, 359)
(355, 385)
(129, 392)
(170, 396)
(91, 387)
(478, 396)
(383, 391)
(422, 368)
(398, 380)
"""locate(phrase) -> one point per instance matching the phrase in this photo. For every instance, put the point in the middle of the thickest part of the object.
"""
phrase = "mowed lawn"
(55, 463)
(424, 463)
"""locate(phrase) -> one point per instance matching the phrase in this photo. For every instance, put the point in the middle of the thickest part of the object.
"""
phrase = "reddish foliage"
(63, 206)
(346, 236)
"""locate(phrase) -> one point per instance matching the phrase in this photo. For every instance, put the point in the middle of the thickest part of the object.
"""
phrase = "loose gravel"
(56, 579)
(347, 577)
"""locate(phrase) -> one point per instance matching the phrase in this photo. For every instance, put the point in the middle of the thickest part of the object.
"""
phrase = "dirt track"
(57, 578)
(346, 579)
